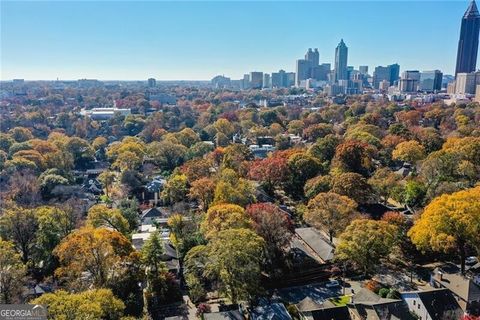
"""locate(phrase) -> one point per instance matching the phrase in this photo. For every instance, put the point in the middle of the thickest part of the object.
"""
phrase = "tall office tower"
(389, 73)
(341, 57)
(468, 43)
(302, 70)
(466, 83)
(266, 81)
(152, 83)
(313, 57)
(256, 80)
(363, 69)
(246, 81)
(279, 79)
(290, 79)
(431, 81)
(409, 81)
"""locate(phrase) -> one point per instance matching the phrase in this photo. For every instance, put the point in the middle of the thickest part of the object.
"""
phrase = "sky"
(181, 40)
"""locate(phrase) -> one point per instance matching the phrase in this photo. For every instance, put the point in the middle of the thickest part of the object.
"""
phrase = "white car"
(332, 284)
(471, 260)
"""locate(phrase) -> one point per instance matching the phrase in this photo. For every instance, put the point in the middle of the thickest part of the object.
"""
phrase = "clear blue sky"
(132, 40)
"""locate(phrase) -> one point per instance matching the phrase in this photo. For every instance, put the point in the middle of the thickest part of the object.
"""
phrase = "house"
(435, 304)
(151, 215)
(366, 305)
(170, 256)
(153, 190)
(312, 310)
(464, 289)
(318, 245)
(224, 315)
(270, 311)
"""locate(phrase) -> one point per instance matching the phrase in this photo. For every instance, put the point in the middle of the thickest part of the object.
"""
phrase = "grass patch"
(340, 301)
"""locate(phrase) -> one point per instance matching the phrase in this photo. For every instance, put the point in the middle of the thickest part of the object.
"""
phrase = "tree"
(274, 226)
(449, 223)
(354, 186)
(90, 304)
(101, 216)
(152, 253)
(315, 131)
(302, 167)
(354, 156)
(324, 148)
(107, 178)
(103, 254)
(232, 189)
(127, 160)
(48, 182)
(410, 151)
(54, 224)
(203, 191)
(12, 273)
(235, 257)
(383, 182)
(20, 134)
(331, 212)
(20, 225)
(317, 185)
(130, 209)
(81, 151)
(167, 155)
(271, 171)
(222, 217)
(364, 242)
(175, 189)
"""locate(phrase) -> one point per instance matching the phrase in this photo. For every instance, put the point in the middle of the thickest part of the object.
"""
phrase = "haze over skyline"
(198, 40)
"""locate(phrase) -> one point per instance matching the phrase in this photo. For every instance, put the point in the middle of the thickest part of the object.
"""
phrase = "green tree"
(12, 273)
(235, 258)
(101, 216)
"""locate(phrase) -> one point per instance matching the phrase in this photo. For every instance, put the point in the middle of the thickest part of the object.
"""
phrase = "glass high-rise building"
(468, 43)
(431, 81)
(341, 57)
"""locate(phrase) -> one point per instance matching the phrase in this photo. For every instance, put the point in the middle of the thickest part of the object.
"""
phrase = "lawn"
(340, 301)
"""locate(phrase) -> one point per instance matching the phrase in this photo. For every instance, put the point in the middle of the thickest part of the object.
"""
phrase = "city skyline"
(130, 50)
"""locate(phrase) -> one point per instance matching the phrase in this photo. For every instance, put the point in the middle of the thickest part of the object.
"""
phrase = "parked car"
(332, 284)
(471, 260)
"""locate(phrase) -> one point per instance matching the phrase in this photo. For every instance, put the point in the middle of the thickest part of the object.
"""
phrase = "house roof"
(224, 315)
(151, 213)
(332, 313)
(272, 311)
(439, 303)
(308, 304)
(316, 242)
(461, 286)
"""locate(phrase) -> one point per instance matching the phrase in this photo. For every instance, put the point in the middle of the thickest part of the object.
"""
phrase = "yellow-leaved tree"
(449, 223)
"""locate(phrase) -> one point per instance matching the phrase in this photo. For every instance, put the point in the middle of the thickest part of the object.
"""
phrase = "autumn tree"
(20, 225)
(354, 186)
(271, 171)
(176, 189)
(449, 223)
(317, 185)
(203, 191)
(167, 154)
(331, 212)
(107, 178)
(222, 217)
(101, 216)
(410, 151)
(354, 156)
(364, 242)
(12, 273)
(384, 182)
(274, 226)
(90, 304)
(232, 189)
(103, 253)
(235, 257)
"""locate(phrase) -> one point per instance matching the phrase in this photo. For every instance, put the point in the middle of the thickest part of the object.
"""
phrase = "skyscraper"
(431, 81)
(389, 73)
(256, 80)
(363, 69)
(468, 43)
(341, 57)
(303, 71)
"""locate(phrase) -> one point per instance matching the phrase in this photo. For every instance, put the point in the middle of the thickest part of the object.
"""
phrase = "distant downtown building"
(466, 83)
(256, 80)
(341, 58)
(363, 69)
(468, 43)
(409, 81)
(389, 73)
(302, 71)
(431, 81)
(152, 82)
